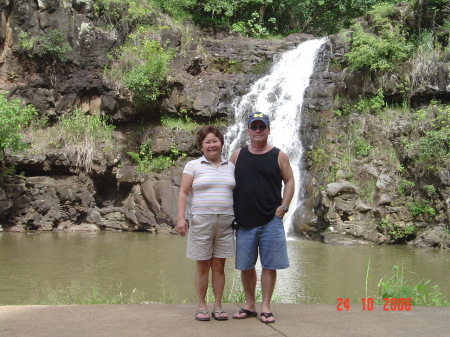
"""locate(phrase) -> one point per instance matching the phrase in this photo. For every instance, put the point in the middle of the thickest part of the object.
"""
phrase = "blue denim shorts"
(270, 239)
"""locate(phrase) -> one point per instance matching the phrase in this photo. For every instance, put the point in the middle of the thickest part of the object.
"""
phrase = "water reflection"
(326, 272)
(155, 265)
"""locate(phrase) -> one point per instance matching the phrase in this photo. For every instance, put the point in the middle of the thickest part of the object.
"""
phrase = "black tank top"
(258, 187)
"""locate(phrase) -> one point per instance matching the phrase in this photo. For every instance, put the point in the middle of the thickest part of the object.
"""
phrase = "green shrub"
(53, 44)
(397, 232)
(381, 46)
(375, 104)
(13, 118)
(429, 189)
(147, 80)
(144, 158)
(143, 67)
(405, 186)
(148, 163)
(421, 207)
(433, 144)
(252, 27)
(362, 147)
(319, 156)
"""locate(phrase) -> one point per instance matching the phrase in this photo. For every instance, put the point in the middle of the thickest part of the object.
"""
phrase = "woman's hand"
(182, 227)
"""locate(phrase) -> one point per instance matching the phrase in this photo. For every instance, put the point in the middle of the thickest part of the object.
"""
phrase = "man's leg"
(248, 278)
(268, 278)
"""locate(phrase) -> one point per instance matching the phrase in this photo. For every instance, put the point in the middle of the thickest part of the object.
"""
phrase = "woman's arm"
(185, 189)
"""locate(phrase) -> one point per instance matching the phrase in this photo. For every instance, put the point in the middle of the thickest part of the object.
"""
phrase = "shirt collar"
(204, 160)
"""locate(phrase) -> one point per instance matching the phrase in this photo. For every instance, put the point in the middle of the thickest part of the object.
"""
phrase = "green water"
(33, 265)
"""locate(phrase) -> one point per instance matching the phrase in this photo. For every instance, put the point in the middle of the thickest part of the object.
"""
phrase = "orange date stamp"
(367, 304)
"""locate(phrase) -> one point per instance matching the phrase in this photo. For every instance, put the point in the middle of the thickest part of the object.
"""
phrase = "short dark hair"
(204, 131)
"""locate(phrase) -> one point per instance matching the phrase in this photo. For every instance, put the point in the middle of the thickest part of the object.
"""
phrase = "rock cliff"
(50, 192)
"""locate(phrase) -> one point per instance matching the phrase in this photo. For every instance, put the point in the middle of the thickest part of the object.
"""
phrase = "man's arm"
(289, 182)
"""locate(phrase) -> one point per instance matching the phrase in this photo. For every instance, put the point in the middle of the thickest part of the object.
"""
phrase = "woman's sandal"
(216, 314)
(247, 313)
(267, 315)
(202, 312)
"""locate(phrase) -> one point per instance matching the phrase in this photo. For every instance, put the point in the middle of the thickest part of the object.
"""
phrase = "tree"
(319, 17)
(13, 117)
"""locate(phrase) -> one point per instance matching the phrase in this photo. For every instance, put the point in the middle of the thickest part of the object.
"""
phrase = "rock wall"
(51, 193)
(206, 75)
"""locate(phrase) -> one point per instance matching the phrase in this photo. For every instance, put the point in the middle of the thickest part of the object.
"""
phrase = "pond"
(33, 265)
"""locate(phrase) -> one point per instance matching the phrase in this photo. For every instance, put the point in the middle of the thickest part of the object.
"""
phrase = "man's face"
(258, 131)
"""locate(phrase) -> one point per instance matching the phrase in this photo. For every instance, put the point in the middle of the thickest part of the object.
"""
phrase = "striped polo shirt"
(212, 188)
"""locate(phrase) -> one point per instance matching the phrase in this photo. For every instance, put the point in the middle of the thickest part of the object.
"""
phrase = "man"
(259, 207)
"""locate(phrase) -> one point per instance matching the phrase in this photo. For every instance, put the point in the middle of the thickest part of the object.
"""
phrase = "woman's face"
(211, 146)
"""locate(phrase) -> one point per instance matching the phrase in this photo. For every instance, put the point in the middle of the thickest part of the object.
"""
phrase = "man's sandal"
(247, 313)
(202, 312)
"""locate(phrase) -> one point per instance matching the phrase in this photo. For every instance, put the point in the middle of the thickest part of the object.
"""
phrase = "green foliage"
(344, 111)
(433, 145)
(367, 191)
(13, 118)
(148, 163)
(319, 156)
(397, 232)
(224, 65)
(53, 44)
(399, 287)
(405, 186)
(260, 68)
(421, 208)
(429, 190)
(82, 135)
(375, 104)
(184, 122)
(260, 18)
(251, 27)
(143, 65)
(175, 153)
(177, 9)
(379, 47)
(144, 158)
(362, 147)
(427, 53)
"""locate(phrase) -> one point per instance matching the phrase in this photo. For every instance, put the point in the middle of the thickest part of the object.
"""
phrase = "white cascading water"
(280, 96)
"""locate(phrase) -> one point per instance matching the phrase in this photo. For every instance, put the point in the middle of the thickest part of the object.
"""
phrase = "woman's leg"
(218, 282)
(201, 283)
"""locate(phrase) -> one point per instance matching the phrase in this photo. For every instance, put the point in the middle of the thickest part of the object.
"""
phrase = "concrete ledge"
(136, 320)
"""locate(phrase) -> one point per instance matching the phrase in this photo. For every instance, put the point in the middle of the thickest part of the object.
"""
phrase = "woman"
(210, 181)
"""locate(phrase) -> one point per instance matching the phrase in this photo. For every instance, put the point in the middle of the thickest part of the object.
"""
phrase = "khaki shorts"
(210, 235)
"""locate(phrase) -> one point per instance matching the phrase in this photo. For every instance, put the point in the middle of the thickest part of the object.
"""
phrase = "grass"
(181, 123)
(367, 191)
(421, 293)
(78, 294)
(78, 135)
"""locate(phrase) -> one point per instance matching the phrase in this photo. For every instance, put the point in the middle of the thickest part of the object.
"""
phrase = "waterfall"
(279, 95)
